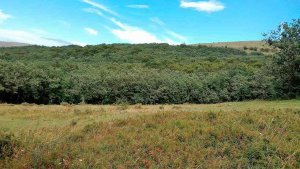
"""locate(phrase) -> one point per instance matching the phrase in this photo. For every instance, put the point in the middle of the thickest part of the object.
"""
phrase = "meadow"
(252, 134)
(248, 46)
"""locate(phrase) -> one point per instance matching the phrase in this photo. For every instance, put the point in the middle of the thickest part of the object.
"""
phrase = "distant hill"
(248, 46)
(12, 44)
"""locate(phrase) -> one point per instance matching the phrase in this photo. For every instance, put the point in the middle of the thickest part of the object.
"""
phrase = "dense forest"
(146, 73)
(149, 73)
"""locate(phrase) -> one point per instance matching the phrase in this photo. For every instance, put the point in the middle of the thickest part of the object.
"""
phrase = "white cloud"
(157, 21)
(133, 34)
(4, 16)
(138, 6)
(100, 6)
(78, 43)
(92, 10)
(204, 6)
(91, 31)
(171, 42)
(29, 38)
(176, 35)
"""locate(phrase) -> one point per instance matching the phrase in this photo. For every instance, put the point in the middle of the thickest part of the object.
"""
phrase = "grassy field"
(248, 46)
(255, 134)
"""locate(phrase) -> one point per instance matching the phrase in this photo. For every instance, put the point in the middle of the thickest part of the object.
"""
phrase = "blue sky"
(63, 22)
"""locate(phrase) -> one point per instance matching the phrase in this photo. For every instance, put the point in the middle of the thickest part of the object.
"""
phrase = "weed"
(123, 106)
(76, 137)
(176, 107)
(211, 116)
(138, 106)
(247, 120)
(73, 123)
(7, 145)
(253, 155)
(64, 104)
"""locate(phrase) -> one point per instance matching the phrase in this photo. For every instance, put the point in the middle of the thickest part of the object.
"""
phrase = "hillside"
(12, 44)
(248, 46)
(122, 73)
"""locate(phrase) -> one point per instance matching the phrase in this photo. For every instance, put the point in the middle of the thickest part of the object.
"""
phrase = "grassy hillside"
(12, 44)
(248, 46)
(256, 134)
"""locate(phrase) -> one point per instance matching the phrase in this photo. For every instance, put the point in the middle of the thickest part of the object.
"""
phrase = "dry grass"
(250, 45)
(256, 134)
(12, 44)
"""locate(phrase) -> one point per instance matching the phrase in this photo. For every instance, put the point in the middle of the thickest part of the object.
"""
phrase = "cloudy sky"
(81, 22)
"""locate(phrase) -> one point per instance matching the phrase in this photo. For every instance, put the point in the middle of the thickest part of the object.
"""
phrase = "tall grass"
(233, 135)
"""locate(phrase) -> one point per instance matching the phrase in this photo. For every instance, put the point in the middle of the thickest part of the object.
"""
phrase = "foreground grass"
(257, 134)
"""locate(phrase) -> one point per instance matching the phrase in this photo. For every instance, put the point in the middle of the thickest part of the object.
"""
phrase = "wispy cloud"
(78, 43)
(138, 6)
(203, 6)
(157, 21)
(169, 33)
(91, 31)
(100, 6)
(29, 38)
(4, 16)
(176, 36)
(133, 34)
(92, 10)
(63, 42)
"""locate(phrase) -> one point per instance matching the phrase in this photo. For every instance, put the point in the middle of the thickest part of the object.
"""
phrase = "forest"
(150, 73)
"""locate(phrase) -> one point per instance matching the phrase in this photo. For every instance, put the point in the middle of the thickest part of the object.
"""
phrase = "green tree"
(286, 62)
